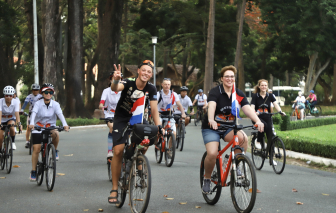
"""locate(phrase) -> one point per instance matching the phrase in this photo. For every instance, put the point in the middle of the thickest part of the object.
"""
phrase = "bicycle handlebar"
(263, 113)
(59, 128)
(107, 119)
(234, 126)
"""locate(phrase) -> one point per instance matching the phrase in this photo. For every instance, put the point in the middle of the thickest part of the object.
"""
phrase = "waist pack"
(144, 131)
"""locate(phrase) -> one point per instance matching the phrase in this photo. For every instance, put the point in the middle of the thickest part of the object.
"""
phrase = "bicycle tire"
(39, 169)
(245, 185)
(157, 149)
(318, 112)
(140, 185)
(215, 179)
(278, 155)
(169, 161)
(258, 158)
(122, 187)
(109, 172)
(50, 172)
(2, 156)
(182, 136)
(9, 154)
(178, 135)
(195, 118)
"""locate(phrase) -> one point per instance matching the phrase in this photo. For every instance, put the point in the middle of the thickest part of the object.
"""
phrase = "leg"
(12, 133)
(109, 140)
(242, 137)
(187, 121)
(36, 151)
(1, 137)
(118, 151)
(55, 138)
(210, 160)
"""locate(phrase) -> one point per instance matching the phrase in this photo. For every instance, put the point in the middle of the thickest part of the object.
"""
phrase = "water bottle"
(225, 160)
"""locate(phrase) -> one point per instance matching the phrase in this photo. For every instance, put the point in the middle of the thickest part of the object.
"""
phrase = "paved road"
(85, 186)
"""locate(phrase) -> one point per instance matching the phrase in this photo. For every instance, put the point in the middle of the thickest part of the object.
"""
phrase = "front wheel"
(243, 185)
(278, 155)
(257, 154)
(178, 135)
(140, 185)
(215, 185)
(196, 118)
(316, 111)
(109, 172)
(170, 150)
(51, 167)
(157, 149)
(8, 154)
(39, 169)
(182, 136)
(122, 188)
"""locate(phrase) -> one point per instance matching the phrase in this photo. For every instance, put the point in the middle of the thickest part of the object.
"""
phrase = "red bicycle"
(243, 181)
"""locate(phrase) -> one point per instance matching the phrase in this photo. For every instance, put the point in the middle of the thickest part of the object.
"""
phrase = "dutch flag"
(172, 101)
(236, 100)
(138, 111)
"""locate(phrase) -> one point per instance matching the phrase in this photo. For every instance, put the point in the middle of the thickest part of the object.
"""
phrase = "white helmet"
(8, 90)
(35, 87)
(300, 93)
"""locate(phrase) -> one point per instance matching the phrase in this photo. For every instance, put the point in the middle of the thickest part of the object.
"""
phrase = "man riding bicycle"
(131, 90)
(201, 101)
(185, 102)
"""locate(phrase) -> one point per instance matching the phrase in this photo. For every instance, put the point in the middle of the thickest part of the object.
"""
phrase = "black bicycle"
(277, 152)
(109, 172)
(46, 162)
(198, 115)
(315, 111)
(6, 152)
(180, 132)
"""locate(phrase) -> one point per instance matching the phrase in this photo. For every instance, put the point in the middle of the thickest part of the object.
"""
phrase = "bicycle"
(6, 152)
(296, 114)
(135, 170)
(277, 155)
(315, 111)
(46, 162)
(162, 145)
(109, 172)
(198, 116)
(180, 132)
(243, 186)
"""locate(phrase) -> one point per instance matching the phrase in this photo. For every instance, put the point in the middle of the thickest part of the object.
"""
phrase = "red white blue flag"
(138, 111)
(172, 101)
(236, 100)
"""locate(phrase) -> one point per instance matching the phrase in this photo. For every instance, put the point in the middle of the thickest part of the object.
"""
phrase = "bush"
(290, 95)
(286, 124)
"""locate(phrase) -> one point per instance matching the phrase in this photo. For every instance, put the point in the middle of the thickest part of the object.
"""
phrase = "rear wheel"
(170, 150)
(157, 149)
(51, 167)
(278, 155)
(317, 111)
(2, 157)
(244, 187)
(257, 155)
(109, 172)
(122, 188)
(178, 135)
(39, 169)
(215, 185)
(140, 185)
(9, 154)
(182, 136)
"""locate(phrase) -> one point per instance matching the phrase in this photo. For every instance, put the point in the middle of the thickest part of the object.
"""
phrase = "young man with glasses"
(9, 114)
(31, 99)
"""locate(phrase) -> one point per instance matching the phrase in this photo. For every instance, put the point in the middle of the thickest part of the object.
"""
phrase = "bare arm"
(17, 115)
(115, 86)
(178, 103)
(101, 106)
(0, 116)
(194, 102)
(249, 112)
(211, 115)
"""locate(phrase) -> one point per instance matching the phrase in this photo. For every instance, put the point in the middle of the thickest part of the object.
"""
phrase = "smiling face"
(47, 94)
(228, 78)
(36, 92)
(145, 73)
(263, 86)
(166, 85)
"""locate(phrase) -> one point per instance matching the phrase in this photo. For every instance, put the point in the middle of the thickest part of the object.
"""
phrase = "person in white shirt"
(17, 99)
(201, 100)
(108, 103)
(186, 103)
(299, 103)
(272, 106)
(44, 115)
(31, 99)
(9, 114)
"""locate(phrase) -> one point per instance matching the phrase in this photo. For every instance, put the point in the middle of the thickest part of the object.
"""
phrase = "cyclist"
(261, 97)
(131, 90)
(220, 101)
(313, 99)
(108, 103)
(31, 99)
(44, 115)
(299, 103)
(201, 101)
(185, 102)
(9, 114)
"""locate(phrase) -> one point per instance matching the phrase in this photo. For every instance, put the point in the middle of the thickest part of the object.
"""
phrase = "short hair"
(166, 79)
(226, 68)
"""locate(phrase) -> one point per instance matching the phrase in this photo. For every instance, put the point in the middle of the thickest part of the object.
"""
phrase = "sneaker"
(57, 157)
(27, 145)
(32, 176)
(13, 146)
(206, 186)
(110, 154)
(257, 145)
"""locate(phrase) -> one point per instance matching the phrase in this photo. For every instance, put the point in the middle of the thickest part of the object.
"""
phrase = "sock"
(109, 142)
(13, 139)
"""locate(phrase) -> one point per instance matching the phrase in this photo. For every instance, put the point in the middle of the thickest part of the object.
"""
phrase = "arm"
(249, 112)
(0, 117)
(211, 115)
(64, 123)
(115, 85)
(178, 103)
(155, 112)
(32, 119)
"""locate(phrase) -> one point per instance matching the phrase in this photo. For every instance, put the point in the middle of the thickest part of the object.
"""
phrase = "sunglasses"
(7, 96)
(48, 92)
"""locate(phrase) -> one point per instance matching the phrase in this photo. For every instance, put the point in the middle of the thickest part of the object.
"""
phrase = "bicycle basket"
(144, 131)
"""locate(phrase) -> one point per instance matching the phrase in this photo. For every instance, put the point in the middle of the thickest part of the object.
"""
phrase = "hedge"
(286, 124)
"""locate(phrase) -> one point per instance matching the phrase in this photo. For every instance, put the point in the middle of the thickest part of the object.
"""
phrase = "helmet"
(300, 93)
(35, 87)
(200, 90)
(312, 91)
(8, 90)
(184, 88)
(46, 86)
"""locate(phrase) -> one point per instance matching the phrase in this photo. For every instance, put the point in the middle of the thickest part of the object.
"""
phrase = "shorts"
(6, 123)
(172, 122)
(200, 108)
(37, 138)
(210, 135)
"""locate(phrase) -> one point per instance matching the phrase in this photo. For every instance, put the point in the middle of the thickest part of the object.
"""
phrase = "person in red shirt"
(313, 98)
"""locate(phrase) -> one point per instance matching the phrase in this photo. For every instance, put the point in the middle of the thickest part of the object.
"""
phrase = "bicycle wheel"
(317, 112)
(8, 154)
(2, 157)
(244, 188)
(215, 185)
(278, 155)
(195, 118)
(39, 169)
(293, 116)
(122, 188)
(109, 172)
(140, 185)
(170, 152)
(182, 136)
(257, 156)
(158, 153)
(51, 167)
(178, 135)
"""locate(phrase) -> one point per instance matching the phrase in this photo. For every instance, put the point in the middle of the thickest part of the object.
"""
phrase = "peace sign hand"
(117, 72)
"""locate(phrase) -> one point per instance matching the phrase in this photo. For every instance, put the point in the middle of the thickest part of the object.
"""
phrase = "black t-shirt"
(258, 100)
(223, 107)
(130, 94)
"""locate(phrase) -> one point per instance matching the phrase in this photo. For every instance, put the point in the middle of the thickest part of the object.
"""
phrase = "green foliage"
(290, 95)
(24, 93)
(81, 122)
(8, 27)
(291, 125)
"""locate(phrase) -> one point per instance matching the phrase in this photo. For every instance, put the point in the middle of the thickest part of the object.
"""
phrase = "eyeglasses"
(8, 96)
(48, 92)
(229, 76)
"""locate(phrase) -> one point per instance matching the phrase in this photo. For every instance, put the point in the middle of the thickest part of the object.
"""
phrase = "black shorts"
(38, 137)
(6, 123)
(200, 108)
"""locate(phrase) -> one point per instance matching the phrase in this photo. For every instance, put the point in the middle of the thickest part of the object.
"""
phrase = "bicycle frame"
(166, 128)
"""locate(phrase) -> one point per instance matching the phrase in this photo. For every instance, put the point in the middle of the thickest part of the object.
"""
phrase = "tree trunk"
(270, 82)
(334, 87)
(74, 105)
(326, 89)
(209, 58)
(165, 58)
(239, 61)
(59, 73)
(184, 64)
(125, 24)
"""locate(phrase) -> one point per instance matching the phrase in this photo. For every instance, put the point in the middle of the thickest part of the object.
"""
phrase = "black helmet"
(184, 88)
(46, 86)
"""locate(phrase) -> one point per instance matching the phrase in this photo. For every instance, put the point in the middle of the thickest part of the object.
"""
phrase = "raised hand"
(117, 72)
